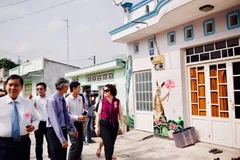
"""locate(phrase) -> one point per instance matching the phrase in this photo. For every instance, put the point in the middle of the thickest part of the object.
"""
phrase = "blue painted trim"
(227, 19)
(151, 50)
(136, 44)
(142, 18)
(126, 5)
(185, 36)
(168, 38)
(149, 40)
(204, 27)
(138, 5)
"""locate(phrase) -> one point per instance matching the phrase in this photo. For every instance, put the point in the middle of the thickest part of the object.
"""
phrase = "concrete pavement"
(138, 145)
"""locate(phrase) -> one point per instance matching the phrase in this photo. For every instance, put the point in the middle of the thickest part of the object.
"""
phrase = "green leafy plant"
(164, 127)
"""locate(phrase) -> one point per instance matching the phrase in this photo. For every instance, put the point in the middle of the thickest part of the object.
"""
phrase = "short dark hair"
(74, 84)
(112, 89)
(15, 76)
(60, 83)
(86, 88)
(42, 84)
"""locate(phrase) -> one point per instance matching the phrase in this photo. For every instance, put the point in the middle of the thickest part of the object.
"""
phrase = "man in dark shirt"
(89, 105)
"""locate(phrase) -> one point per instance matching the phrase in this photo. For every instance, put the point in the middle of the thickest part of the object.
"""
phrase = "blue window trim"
(151, 50)
(149, 40)
(168, 38)
(185, 35)
(135, 44)
(227, 19)
(204, 27)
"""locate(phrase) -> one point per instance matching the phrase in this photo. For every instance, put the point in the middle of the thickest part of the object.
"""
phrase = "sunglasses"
(106, 90)
(39, 89)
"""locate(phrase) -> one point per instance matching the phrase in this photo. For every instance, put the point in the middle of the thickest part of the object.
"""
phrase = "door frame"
(229, 95)
(143, 118)
(232, 105)
(208, 118)
(192, 117)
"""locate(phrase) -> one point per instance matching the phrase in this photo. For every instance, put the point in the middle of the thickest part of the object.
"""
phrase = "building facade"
(40, 70)
(97, 76)
(185, 58)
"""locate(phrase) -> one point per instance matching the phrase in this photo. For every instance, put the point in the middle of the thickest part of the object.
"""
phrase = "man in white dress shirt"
(75, 108)
(40, 105)
(18, 119)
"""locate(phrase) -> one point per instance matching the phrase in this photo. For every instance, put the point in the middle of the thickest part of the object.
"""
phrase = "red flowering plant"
(164, 127)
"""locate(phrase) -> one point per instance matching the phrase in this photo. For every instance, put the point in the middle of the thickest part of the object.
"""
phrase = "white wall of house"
(31, 66)
(174, 56)
(141, 9)
(206, 112)
(53, 71)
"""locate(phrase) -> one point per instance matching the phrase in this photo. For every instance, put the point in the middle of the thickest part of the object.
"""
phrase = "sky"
(44, 34)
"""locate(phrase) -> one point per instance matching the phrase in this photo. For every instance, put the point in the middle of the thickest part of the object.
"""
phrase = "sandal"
(113, 158)
(213, 150)
(218, 151)
(98, 153)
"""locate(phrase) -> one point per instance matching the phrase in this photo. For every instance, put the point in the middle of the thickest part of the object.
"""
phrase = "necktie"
(15, 121)
(88, 100)
(65, 112)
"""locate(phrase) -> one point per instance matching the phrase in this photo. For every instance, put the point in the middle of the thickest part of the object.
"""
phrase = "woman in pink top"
(107, 119)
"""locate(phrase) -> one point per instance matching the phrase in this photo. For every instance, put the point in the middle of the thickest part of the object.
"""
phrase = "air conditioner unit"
(158, 61)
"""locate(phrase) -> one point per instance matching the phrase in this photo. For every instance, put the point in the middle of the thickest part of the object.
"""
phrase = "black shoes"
(215, 151)
(91, 141)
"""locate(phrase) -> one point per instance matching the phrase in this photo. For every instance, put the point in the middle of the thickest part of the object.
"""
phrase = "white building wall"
(33, 65)
(141, 11)
(174, 55)
(221, 32)
(53, 71)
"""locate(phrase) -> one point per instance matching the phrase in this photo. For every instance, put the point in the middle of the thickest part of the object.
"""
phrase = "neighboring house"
(196, 44)
(3, 73)
(97, 76)
(40, 70)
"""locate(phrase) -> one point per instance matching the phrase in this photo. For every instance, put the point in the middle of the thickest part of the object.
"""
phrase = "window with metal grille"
(143, 91)
(222, 49)
(100, 77)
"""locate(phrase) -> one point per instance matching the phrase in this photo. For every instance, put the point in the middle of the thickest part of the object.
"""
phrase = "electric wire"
(42, 10)
(82, 59)
(11, 4)
(13, 54)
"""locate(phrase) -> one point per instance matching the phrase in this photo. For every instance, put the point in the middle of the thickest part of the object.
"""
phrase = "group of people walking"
(56, 117)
